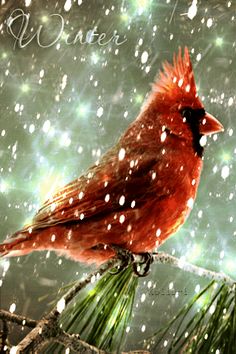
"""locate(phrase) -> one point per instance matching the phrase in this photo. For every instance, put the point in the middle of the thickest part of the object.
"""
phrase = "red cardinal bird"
(143, 188)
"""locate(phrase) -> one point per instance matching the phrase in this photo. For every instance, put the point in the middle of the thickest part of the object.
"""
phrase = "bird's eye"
(187, 113)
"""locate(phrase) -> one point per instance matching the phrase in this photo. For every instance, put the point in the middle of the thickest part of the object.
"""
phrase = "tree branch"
(20, 320)
(47, 329)
(165, 258)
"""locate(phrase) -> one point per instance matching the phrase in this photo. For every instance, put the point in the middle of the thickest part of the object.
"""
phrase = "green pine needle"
(212, 329)
(102, 315)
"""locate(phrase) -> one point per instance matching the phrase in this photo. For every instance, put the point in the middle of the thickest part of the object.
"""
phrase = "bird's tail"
(15, 245)
(103, 314)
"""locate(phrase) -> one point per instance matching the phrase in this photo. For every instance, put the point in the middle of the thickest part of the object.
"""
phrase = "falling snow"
(225, 172)
(144, 57)
(63, 107)
(61, 305)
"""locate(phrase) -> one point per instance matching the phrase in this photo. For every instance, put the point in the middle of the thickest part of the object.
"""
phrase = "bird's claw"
(125, 256)
(140, 268)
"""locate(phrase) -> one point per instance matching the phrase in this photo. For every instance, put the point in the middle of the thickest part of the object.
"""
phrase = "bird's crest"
(177, 78)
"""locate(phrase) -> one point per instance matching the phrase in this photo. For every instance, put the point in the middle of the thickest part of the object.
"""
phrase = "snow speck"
(122, 200)
(67, 5)
(17, 107)
(143, 297)
(46, 126)
(93, 279)
(215, 169)
(144, 57)
(165, 343)
(27, 3)
(122, 219)
(180, 82)
(230, 101)
(190, 203)
(149, 284)
(80, 149)
(133, 204)
(31, 128)
(225, 172)
(154, 175)
(12, 307)
(212, 309)
(61, 305)
(192, 11)
(81, 194)
(158, 232)
(6, 265)
(222, 254)
(199, 57)
(107, 198)
(199, 214)
(203, 140)
(41, 73)
(53, 206)
(163, 136)
(3, 132)
(209, 22)
(121, 154)
(64, 82)
(187, 88)
(193, 182)
(100, 112)
(65, 140)
(13, 350)
(143, 328)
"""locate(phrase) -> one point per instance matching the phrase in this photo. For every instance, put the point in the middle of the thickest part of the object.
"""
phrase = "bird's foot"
(142, 268)
(125, 256)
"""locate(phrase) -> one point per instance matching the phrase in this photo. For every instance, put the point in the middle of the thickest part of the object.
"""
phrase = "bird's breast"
(174, 192)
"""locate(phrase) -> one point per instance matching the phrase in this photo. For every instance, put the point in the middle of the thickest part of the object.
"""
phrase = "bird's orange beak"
(210, 125)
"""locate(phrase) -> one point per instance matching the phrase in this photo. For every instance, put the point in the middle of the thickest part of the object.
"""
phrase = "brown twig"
(4, 336)
(20, 320)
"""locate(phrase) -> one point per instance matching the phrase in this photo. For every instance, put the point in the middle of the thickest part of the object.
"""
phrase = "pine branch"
(47, 329)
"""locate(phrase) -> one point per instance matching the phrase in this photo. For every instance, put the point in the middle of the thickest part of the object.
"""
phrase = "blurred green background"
(63, 106)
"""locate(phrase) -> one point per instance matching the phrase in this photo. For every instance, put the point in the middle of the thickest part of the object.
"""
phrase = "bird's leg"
(141, 269)
(125, 256)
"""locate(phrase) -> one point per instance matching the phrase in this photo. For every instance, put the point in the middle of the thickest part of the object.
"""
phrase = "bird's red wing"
(100, 190)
